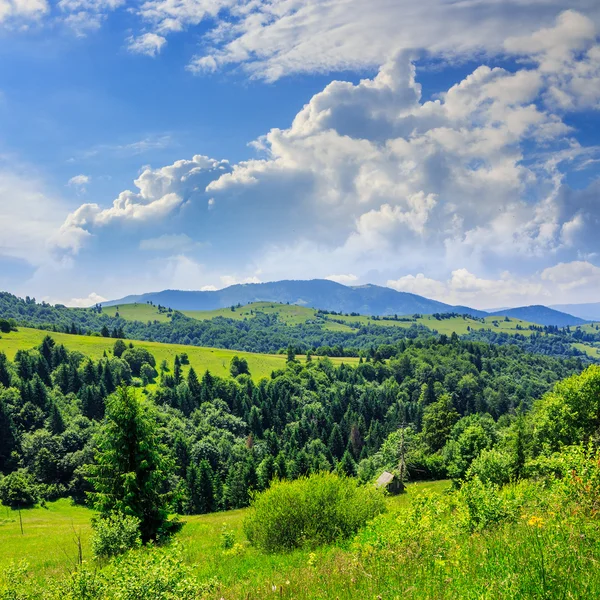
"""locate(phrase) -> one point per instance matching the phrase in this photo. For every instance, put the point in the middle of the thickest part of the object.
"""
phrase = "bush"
(18, 490)
(115, 534)
(310, 511)
(492, 466)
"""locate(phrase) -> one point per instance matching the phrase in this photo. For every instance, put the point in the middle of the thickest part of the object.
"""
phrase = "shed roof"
(385, 478)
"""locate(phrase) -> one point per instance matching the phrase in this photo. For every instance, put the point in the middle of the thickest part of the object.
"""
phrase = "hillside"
(330, 296)
(215, 360)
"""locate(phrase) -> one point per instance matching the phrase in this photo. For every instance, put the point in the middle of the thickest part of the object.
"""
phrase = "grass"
(215, 360)
(49, 540)
(592, 351)
(545, 548)
(136, 312)
(49, 543)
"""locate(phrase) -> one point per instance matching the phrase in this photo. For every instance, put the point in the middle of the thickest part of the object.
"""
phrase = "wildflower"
(536, 522)
(312, 559)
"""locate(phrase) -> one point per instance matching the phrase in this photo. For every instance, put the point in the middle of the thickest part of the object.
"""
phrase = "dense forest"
(265, 333)
(438, 401)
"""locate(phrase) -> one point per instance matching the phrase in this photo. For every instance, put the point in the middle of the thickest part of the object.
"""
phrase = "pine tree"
(200, 482)
(347, 466)
(336, 443)
(194, 387)
(130, 468)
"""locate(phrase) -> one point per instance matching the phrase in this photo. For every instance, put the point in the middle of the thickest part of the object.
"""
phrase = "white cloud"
(369, 179)
(23, 10)
(277, 38)
(90, 300)
(149, 44)
(29, 215)
(161, 192)
(228, 280)
(576, 275)
(465, 288)
(79, 182)
(345, 279)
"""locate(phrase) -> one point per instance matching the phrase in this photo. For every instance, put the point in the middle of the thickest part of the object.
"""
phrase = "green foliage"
(570, 413)
(115, 534)
(129, 472)
(227, 540)
(136, 357)
(239, 366)
(119, 348)
(309, 512)
(492, 466)
(18, 490)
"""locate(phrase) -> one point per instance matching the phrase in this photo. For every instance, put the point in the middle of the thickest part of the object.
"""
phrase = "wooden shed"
(390, 482)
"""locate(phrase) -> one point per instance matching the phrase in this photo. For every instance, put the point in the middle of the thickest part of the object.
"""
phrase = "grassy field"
(592, 351)
(291, 314)
(49, 543)
(136, 312)
(216, 360)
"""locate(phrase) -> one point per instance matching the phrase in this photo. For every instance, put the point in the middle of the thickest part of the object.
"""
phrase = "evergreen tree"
(336, 443)
(201, 492)
(177, 375)
(130, 469)
(347, 466)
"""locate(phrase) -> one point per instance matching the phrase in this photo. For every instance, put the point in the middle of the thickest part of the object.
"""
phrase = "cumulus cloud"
(370, 179)
(466, 288)
(90, 300)
(161, 192)
(149, 44)
(576, 275)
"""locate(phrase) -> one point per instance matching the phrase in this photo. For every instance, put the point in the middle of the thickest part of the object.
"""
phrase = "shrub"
(310, 511)
(227, 538)
(115, 534)
(18, 490)
(491, 466)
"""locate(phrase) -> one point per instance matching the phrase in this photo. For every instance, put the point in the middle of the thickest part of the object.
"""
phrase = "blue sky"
(199, 143)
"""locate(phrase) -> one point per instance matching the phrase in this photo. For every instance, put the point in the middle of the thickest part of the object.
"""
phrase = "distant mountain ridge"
(589, 311)
(541, 315)
(315, 293)
(328, 295)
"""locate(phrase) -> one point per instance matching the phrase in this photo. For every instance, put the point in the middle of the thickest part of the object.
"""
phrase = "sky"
(445, 148)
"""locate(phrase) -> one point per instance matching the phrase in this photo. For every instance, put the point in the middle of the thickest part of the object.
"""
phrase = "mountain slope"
(589, 311)
(541, 315)
(316, 293)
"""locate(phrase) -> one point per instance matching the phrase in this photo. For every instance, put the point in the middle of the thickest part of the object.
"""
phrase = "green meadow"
(136, 312)
(49, 543)
(215, 360)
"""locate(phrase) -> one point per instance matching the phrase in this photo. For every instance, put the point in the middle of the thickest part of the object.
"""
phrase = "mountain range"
(328, 295)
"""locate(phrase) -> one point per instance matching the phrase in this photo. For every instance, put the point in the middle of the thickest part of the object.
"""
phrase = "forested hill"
(542, 315)
(307, 417)
(315, 293)
(264, 333)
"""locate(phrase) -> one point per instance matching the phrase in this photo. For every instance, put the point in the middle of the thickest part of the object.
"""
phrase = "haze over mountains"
(328, 295)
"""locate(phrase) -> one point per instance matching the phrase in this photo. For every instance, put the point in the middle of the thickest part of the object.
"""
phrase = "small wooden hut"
(390, 482)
